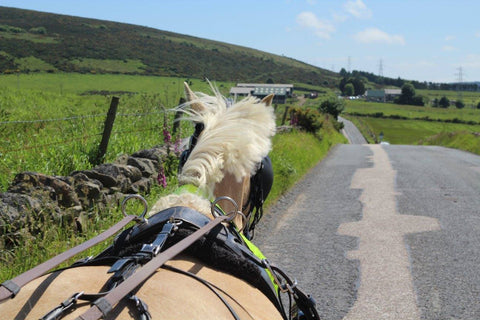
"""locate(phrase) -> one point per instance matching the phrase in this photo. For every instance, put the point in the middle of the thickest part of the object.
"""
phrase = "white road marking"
(386, 286)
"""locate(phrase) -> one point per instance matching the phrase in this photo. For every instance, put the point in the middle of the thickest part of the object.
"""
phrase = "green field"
(470, 98)
(399, 124)
(412, 112)
(410, 131)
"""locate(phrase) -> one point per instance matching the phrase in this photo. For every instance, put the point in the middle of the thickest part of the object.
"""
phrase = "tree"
(349, 89)
(408, 96)
(444, 102)
(333, 106)
(359, 86)
(408, 92)
(357, 82)
(459, 104)
(435, 103)
(478, 105)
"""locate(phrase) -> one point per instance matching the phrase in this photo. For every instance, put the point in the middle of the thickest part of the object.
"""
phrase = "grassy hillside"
(36, 41)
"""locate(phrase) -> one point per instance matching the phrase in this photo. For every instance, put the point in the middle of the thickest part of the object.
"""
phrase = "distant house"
(385, 95)
(281, 91)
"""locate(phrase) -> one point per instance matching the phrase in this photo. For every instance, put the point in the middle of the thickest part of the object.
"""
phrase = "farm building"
(384, 95)
(261, 90)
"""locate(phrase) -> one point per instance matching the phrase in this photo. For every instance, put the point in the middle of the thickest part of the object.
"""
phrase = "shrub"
(333, 106)
(38, 30)
(308, 119)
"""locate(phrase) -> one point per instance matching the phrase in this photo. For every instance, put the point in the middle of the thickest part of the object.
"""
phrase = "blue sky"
(421, 40)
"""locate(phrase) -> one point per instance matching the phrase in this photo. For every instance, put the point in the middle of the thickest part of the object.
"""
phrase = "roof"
(239, 90)
(376, 93)
(266, 90)
(253, 85)
(382, 93)
(393, 91)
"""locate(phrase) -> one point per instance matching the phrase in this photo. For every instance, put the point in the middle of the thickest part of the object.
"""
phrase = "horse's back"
(168, 294)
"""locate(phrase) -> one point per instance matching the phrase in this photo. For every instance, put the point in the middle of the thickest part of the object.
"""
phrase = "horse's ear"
(268, 100)
(197, 106)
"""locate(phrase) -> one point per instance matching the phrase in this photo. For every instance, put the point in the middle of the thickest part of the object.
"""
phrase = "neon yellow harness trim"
(256, 251)
(190, 188)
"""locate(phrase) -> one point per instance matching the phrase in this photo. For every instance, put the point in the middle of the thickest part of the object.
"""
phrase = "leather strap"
(10, 288)
(103, 305)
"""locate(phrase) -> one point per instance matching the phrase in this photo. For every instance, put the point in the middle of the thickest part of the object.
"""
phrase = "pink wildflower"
(161, 178)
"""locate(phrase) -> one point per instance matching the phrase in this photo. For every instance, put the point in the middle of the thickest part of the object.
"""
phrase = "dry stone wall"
(32, 195)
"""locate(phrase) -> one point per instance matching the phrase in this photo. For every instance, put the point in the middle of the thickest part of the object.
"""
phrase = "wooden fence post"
(107, 128)
(285, 115)
(178, 114)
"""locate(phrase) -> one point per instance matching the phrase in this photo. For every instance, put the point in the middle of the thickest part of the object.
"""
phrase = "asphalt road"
(383, 232)
(351, 132)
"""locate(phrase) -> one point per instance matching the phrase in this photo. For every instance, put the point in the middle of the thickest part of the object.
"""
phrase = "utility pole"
(380, 70)
(459, 83)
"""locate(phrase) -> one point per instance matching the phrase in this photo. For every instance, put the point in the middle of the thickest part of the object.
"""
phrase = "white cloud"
(321, 28)
(471, 61)
(477, 34)
(312, 2)
(449, 38)
(339, 17)
(449, 48)
(357, 9)
(372, 35)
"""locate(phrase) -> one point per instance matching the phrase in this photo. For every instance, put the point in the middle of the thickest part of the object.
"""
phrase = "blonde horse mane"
(234, 139)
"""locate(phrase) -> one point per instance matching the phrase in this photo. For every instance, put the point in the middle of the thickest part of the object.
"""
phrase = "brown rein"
(10, 288)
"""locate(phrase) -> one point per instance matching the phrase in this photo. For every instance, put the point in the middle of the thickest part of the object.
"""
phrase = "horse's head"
(228, 151)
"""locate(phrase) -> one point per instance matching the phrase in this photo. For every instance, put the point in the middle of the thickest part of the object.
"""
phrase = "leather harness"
(140, 250)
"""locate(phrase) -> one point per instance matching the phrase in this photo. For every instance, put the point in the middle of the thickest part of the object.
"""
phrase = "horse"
(221, 275)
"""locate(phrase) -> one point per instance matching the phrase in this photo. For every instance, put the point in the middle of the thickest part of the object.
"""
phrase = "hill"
(33, 41)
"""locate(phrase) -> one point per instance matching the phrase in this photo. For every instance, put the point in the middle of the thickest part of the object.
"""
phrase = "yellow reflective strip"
(256, 251)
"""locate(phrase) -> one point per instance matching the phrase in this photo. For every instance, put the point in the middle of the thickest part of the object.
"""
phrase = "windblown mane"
(234, 139)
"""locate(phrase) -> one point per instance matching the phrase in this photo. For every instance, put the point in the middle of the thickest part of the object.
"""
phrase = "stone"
(106, 180)
(141, 186)
(88, 192)
(156, 154)
(146, 166)
(60, 191)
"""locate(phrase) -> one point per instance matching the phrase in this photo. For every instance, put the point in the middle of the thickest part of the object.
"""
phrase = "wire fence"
(82, 137)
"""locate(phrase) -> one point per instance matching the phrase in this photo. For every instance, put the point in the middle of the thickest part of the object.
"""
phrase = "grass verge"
(295, 153)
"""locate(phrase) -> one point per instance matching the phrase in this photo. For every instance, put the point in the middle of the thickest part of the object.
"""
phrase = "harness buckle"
(168, 230)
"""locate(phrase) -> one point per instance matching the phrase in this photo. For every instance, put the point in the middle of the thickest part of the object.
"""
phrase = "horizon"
(428, 41)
